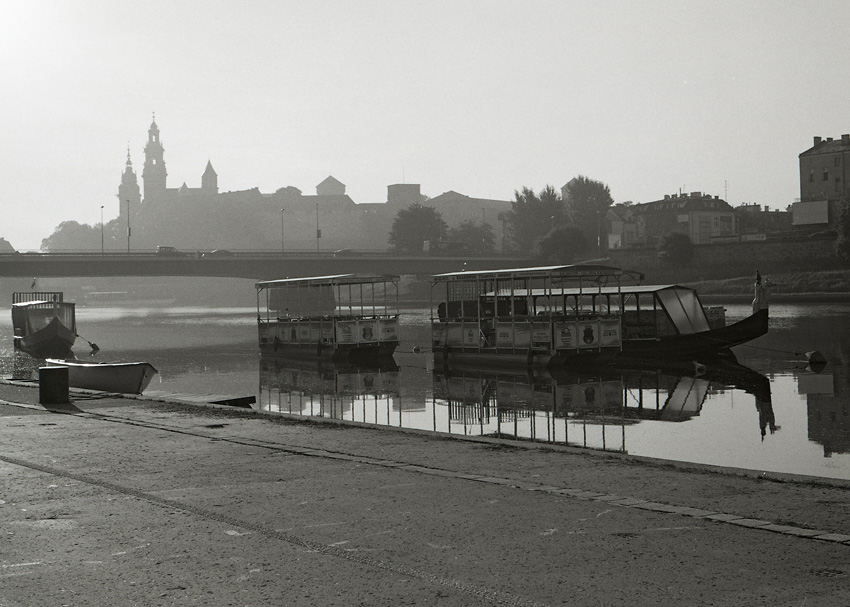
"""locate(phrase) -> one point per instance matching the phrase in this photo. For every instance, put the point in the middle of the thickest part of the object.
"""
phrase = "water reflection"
(328, 389)
(588, 407)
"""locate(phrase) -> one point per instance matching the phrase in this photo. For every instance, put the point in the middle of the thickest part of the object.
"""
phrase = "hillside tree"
(532, 216)
(472, 237)
(586, 203)
(676, 249)
(414, 225)
(842, 242)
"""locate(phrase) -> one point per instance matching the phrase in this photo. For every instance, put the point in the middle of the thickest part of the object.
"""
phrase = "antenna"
(725, 190)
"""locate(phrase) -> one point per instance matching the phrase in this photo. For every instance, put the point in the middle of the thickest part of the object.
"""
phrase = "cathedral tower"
(209, 180)
(154, 173)
(128, 191)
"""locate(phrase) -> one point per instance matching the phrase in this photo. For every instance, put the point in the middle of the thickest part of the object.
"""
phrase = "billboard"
(810, 213)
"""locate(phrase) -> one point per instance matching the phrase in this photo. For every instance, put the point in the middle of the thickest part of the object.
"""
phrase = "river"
(770, 413)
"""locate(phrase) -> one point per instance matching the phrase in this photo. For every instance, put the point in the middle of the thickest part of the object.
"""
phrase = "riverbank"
(127, 500)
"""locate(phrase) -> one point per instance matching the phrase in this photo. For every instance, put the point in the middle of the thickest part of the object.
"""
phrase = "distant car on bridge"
(169, 252)
(218, 253)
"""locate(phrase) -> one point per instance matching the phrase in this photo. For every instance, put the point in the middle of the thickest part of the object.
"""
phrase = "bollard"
(53, 385)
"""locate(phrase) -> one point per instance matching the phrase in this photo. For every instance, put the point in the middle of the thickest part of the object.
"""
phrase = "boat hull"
(703, 343)
(55, 340)
(125, 378)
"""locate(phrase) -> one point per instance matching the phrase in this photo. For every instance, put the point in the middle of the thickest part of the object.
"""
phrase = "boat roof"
(629, 289)
(330, 280)
(25, 304)
(562, 271)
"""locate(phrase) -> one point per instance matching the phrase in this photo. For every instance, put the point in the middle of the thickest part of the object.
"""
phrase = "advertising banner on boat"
(346, 331)
(517, 335)
(588, 334)
(565, 335)
(367, 331)
(610, 332)
(389, 329)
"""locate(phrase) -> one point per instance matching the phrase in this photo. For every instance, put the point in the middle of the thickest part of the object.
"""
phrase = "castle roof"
(330, 180)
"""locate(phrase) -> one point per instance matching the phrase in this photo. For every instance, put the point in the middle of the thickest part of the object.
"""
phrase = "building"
(754, 220)
(205, 217)
(824, 187)
(700, 216)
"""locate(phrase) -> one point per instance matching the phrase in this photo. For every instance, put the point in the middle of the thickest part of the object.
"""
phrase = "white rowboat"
(126, 378)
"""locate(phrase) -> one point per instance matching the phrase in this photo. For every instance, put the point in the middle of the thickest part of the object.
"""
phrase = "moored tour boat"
(125, 378)
(44, 324)
(669, 321)
(339, 317)
(519, 317)
(543, 316)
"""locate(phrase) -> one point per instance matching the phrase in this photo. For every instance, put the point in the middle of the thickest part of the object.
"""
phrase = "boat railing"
(545, 333)
(329, 330)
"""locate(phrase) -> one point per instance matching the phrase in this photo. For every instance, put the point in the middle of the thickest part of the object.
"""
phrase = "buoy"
(815, 357)
(699, 368)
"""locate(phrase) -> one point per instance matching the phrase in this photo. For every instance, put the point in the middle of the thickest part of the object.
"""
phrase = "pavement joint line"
(487, 594)
(628, 502)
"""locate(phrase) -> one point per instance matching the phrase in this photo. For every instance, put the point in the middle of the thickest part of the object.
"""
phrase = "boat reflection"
(590, 407)
(326, 388)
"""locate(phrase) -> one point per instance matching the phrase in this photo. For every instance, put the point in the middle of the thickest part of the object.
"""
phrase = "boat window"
(684, 310)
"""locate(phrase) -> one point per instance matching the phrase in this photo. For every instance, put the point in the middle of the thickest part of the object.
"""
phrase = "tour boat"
(543, 316)
(339, 317)
(44, 324)
(126, 378)
(520, 317)
(669, 321)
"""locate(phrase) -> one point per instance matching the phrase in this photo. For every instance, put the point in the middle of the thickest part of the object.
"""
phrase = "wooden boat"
(44, 324)
(539, 317)
(126, 378)
(668, 321)
(340, 317)
(520, 317)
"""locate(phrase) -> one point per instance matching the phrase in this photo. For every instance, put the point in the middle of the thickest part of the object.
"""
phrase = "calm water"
(769, 413)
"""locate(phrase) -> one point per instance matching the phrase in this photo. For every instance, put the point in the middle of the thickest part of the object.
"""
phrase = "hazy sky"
(482, 98)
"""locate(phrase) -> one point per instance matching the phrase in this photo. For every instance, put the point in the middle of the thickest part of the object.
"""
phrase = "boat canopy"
(576, 271)
(681, 304)
(328, 281)
(333, 295)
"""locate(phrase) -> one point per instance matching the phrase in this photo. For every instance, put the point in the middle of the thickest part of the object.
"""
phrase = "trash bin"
(53, 385)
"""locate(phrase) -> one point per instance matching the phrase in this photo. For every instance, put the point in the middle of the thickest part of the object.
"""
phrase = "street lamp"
(128, 225)
(281, 232)
(101, 229)
(318, 231)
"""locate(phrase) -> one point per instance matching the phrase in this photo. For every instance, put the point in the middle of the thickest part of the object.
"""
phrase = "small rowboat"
(126, 378)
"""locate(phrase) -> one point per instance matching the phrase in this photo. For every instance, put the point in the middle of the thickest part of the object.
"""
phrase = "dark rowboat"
(44, 324)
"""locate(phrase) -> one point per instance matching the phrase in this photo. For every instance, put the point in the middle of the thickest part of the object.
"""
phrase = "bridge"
(257, 265)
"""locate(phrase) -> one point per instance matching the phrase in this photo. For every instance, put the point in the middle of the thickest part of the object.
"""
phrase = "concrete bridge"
(254, 265)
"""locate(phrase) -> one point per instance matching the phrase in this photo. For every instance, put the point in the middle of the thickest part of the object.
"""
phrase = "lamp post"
(318, 231)
(101, 229)
(128, 225)
(281, 232)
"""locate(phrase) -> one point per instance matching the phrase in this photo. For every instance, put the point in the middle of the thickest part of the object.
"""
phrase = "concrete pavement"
(126, 501)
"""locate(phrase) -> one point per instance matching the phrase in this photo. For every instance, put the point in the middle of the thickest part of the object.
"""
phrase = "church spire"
(209, 180)
(128, 190)
(154, 173)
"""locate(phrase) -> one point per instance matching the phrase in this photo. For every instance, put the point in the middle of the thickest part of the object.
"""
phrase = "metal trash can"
(53, 385)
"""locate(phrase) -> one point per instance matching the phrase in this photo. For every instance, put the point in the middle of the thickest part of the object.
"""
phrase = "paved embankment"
(119, 501)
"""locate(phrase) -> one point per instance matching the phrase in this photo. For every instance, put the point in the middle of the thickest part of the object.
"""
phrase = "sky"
(480, 97)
